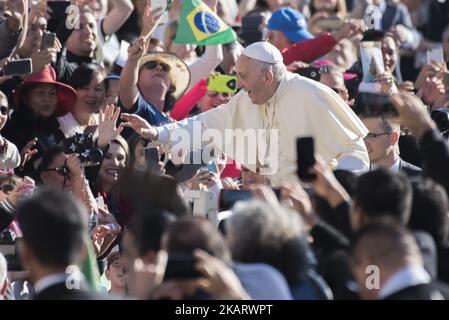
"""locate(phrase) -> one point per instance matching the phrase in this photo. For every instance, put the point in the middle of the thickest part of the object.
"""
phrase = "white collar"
(396, 165)
(48, 281)
(406, 277)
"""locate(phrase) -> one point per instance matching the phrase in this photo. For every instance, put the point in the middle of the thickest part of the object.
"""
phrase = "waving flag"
(200, 25)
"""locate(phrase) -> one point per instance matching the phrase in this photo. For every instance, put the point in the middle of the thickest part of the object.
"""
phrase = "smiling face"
(390, 54)
(113, 163)
(380, 147)
(256, 82)
(83, 41)
(90, 97)
(42, 99)
(4, 109)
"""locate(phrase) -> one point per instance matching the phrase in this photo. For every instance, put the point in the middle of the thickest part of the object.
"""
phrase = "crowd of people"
(97, 200)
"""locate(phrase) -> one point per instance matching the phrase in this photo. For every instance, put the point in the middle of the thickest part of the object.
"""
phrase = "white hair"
(278, 68)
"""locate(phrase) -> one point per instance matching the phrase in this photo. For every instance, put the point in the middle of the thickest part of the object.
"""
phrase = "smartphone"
(375, 105)
(229, 197)
(181, 266)
(222, 83)
(310, 72)
(18, 67)
(305, 150)
(152, 158)
(330, 23)
(212, 166)
(48, 40)
(100, 202)
(435, 55)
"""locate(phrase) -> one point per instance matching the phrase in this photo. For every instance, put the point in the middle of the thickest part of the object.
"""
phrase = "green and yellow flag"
(200, 25)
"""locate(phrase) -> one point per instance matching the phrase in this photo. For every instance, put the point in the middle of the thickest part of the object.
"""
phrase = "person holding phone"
(273, 98)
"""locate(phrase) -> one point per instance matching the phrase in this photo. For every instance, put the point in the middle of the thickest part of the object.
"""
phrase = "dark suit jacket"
(428, 291)
(409, 169)
(59, 291)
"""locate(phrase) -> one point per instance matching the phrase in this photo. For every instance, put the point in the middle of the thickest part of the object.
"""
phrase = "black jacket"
(428, 291)
(409, 169)
(24, 126)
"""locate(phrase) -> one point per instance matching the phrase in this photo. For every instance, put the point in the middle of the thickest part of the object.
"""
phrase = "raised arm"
(117, 16)
(130, 73)
(207, 63)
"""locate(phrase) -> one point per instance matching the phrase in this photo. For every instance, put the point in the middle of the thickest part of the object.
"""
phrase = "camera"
(441, 118)
(83, 145)
(9, 249)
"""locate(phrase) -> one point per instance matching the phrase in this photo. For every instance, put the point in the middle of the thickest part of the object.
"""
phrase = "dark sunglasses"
(150, 65)
(4, 110)
(63, 171)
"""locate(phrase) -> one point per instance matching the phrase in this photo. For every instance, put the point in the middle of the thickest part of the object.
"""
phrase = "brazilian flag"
(200, 25)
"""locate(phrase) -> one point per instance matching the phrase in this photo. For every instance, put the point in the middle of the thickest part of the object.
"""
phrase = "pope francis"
(278, 107)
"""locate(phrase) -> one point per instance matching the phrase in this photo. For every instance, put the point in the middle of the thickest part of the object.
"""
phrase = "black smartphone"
(181, 266)
(229, 197)
(310, 72)
(375, 105)
(18, 67)
(48, 40)
(305, 150)
(152, 158)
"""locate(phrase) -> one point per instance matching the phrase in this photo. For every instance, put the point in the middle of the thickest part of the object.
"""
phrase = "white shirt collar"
(396, 165)
(48, 281)
(404, 278)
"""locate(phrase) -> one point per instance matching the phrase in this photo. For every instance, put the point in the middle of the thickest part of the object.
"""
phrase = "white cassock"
(299, 108)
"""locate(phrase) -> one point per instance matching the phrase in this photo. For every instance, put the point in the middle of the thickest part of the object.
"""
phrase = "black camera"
(9, 249)
(83, 145)
(441, 118)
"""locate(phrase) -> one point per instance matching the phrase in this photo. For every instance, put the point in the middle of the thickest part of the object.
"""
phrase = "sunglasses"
(63, 171)
(214, 94)
(4, 110)
(150, 65)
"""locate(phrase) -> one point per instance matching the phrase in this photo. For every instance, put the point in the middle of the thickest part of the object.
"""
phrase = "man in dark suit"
(383, 148)
(54, 227)
(387, 264)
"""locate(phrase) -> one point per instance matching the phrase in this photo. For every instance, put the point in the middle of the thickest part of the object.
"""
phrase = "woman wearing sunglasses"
(9, 155)
(150, 84)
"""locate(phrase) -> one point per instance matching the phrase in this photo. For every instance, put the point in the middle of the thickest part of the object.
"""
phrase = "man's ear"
(269, 77)
(394, 138)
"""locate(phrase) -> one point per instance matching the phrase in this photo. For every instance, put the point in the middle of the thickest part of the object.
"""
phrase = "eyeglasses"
(371, 135)
(214, 94)
(150, 65)
(63, 171)
(4, 110)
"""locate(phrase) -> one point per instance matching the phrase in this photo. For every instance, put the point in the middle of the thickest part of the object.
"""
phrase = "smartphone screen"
(48, 40)
(229, 197)
(181, 266)
(435, 55)
(305, 150)
(18, 67)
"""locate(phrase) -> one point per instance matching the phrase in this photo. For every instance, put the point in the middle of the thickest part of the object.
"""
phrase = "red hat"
(66, 94)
